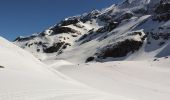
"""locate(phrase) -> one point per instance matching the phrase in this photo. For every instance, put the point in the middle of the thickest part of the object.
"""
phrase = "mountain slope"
(118, 32)
(23, 77)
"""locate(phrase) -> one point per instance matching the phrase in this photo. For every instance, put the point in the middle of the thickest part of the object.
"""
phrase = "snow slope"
(26, 78)
(139, 80)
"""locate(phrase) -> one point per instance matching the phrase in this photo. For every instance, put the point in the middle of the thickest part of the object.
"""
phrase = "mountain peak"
(116, 32)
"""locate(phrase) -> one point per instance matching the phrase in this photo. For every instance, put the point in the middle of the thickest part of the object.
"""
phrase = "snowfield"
(139, 80)
(26, 78)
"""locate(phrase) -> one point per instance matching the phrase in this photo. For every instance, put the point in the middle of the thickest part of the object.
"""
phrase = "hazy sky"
(25, 17)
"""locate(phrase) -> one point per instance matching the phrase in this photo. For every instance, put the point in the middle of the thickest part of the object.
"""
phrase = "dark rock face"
(162, 17)
(83, 37)
(42, 34)
(90, 59)
(87, 37)
(105, 17)
(108, 28)
(56, 47)
(59, 29)
(69, 21)
(112, 25)
(2, 67)
(140, 11)
(38, 50)
(121, 49)
(156, 36)
(124, 16)
(102, 29)
(163, 8)
(162, 11)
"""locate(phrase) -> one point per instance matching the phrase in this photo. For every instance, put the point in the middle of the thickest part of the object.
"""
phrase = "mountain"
(131, 30)
(132, 39)
(24, 77)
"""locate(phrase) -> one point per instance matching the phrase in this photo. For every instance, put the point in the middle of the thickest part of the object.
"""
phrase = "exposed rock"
(121, 49)
(54, 48)
(105, 17)
(38, 50)
(158, 35)
(83, 37)
(163, 8)
(124, 16)
(166, 57)
(90, 59)
(74, 35)
(102, 30)
(29, 45)
(162, 17)
(140, 11)
(108, 28)
(156, 60)
(69, 21)
(161, 43)
(2, 67)
(59, 29)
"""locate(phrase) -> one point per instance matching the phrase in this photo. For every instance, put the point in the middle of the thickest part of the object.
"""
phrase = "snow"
(26, 78)
(139, 80)
(142, 75)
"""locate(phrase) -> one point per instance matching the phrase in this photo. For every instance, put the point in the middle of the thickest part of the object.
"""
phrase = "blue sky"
(25, 17)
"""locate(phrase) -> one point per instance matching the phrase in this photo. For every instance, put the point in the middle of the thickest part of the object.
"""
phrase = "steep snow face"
(23, 77)
(126, 29)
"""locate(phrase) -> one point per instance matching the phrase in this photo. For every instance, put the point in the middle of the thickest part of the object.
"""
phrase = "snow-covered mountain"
(131, 30)
(134, 34)
(24, 77)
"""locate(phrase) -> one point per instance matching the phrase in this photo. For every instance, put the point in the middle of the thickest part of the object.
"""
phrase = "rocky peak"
(116, 31)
